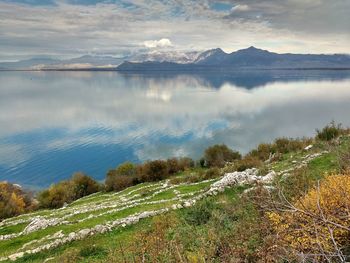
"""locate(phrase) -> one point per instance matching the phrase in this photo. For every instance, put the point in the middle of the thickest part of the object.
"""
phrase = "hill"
(188, 213)
(250, 58)
(193, 61)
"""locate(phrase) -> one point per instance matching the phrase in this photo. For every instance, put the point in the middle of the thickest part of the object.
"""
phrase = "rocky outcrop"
(40, 223)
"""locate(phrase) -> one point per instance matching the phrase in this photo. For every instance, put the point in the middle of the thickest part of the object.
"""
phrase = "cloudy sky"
(69, 28)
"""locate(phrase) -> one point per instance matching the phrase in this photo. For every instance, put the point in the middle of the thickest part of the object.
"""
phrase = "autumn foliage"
(317, 226)
(13, 200)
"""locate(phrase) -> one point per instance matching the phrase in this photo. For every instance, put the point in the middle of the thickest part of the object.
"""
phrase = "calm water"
(55, 123)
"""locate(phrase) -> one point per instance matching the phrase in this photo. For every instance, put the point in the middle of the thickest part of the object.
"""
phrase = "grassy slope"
(108, 242)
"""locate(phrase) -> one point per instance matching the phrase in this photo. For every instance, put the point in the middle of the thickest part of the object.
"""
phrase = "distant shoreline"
(211, 69)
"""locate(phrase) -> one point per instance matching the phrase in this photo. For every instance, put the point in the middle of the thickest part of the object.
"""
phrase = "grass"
(229, 207)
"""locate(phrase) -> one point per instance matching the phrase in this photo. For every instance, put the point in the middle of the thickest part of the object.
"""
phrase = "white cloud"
(240, 8)
(108, 28)
(164, 42)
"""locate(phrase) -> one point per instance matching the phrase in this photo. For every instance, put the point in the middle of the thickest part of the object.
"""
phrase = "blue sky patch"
(223, 7)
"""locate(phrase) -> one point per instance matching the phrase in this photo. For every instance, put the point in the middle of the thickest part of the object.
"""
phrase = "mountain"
(98, 62)
(28, 63)
(169, 56)
(250, 58)
(212, 56)
(213, 60)
(83, 62)
(154, 66)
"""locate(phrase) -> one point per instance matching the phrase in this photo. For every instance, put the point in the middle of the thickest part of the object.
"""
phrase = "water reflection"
(56, 123)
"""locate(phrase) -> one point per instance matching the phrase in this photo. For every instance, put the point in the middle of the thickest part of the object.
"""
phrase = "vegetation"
(14, 200)
(219, 155)
(128, 174)
(302, 216)
(66, 192)
(317, 226)
(329, 132)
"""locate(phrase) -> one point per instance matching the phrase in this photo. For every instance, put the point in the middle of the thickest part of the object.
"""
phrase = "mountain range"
(250, 58)
(214, 60)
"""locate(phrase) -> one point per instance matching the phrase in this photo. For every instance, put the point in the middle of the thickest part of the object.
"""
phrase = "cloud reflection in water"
(55, 123)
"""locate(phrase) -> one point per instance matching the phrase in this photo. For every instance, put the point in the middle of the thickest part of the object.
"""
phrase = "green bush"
(200, 213)
(67, 191)
(219, 155)
(128, 174)
(280, 146)
(329, 132)
(92, 251)
(126, 168)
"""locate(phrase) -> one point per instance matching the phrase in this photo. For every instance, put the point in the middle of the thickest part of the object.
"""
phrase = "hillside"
(106, 227)
(191, 61)
(249, 58)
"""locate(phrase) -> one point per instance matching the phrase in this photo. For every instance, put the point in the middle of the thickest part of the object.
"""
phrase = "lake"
(53, 124)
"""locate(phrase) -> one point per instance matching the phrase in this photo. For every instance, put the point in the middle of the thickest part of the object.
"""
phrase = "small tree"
(126, 168)
(84, 185)
(154, 171)
(218, 155)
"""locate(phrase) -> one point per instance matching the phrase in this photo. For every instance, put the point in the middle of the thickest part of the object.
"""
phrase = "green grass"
(12, 229)
(98, 248)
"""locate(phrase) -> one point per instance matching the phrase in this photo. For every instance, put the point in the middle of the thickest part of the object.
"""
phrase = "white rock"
(308, 147)
(187, 204)
(15, 256)
(40, 223)
(84, 233)
(268, 179)
(72, 236)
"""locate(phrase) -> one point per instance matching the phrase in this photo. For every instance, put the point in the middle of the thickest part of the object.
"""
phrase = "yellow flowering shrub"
(319, 222)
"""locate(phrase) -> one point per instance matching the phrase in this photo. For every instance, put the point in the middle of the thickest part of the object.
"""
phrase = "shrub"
(219, 155)
(212, 173)
(128, 174)
(67, 191)
(286, 145)
(83, 185)
(263, 151)
(56, 196)
(329, 132)
(246, 163)
(318, 224)
(185, 163)
(117, 182)
(173, 165)
(14, 200)
(92, 251)
(201, 162)
(122, 177)
(153, 171)
(126, 168)
(200, 213)
(344, 159)
(266, 151)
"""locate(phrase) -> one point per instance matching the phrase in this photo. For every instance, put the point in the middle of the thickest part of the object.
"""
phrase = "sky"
(71, 28)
